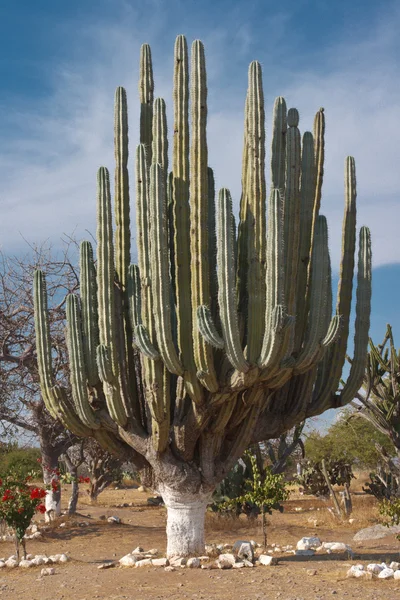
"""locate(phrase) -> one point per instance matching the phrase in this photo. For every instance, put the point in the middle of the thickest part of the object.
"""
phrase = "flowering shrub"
(18, 503)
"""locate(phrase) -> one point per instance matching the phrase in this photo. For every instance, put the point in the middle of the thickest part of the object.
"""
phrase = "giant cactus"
(214, 340)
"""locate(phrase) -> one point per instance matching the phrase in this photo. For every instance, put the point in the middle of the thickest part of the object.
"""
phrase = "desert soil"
(89, 541)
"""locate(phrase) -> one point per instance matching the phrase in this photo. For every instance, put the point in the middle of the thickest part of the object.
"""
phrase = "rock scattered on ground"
(376, 532)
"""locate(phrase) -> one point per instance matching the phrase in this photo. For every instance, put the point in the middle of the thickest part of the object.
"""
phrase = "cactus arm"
(88, 290)
(319, 147)
(54, 396)
(122, 218)
(160, 284)
(160, 138)
(241, 278)
(212, 245)
(43, 344)
(319, 336)
(106, 293)
(337, 354)
(77, 365)
(207, 327)
(275, 294)
(307, 196)
(200, 281)
(278, 145)
(134, 297)
(180, 217)
(363, 307)
(146, 97)
(142, 341)
(154, 373)
(257, 210)
(226, 282)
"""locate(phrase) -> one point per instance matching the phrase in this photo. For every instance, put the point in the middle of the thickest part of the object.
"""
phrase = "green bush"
(20, 460)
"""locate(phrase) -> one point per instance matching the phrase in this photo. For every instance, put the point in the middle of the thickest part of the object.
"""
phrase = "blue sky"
(60, 63)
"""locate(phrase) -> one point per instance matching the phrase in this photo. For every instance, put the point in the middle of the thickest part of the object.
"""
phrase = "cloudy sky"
(60, 63)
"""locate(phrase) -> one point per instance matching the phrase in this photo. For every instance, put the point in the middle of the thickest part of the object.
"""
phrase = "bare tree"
(21, 401)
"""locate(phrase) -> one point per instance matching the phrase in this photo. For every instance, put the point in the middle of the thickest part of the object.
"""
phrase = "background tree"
(21, 401)
(152, 376)
(348, 439)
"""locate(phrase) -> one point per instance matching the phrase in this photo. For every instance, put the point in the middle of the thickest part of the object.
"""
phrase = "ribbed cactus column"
(146, 97)
(181, 219)
(255, 188)
(200, 296)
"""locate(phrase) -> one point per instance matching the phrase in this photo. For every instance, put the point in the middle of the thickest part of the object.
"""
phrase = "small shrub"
(18, 503)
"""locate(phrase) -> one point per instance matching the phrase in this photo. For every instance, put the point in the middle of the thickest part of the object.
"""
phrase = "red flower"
(39, 460)
(38, 493)
(54, 485)
(20, 510)
(41, 508)
(7, 496)
(1, 482)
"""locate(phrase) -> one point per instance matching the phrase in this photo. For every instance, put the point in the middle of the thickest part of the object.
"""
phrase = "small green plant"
(266, 492)
(390, 511)
(18, 503)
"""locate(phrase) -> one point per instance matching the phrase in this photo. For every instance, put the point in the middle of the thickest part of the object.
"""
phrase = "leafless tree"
(21, 403)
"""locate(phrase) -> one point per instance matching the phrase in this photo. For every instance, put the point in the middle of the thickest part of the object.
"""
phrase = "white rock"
(55, 558)
(141, 488)
(34, 528)
(397, 574)
(152, 552)
(357, 571)
(225, 561)
(38, 560)
(374, 568)
(11, 563)
(351, 521)
(48, 571)
(114, 519)
(127, 561)
(238, 565)
(308, 543)
(220, 547)
(248, 563)
(26, 564)
(2, 564)
(63, 558)
(138, 550)
(160, 562)
(36, 535)
(305, 552)
(394, 565)
(178, 561)
(337, 547)
(386, 574)
(253, 543)
(267, 560)
(193, 563)
(169, 569)
(244, 551)
(144, 563)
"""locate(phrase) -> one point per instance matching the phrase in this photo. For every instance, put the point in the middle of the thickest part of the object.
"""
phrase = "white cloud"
(48, 167)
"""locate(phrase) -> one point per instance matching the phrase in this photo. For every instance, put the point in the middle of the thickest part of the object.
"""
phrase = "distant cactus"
(217, 338)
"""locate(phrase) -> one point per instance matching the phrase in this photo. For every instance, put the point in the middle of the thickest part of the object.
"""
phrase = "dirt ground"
(90, 541)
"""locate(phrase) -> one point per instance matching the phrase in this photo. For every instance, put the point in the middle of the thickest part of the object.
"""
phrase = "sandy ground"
(89, 541)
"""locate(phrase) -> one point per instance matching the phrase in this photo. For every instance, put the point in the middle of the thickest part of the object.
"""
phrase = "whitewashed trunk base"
(52, 503)
(185, 522)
